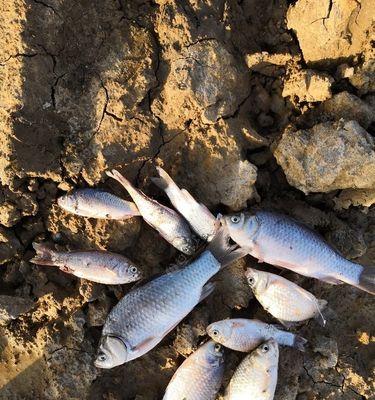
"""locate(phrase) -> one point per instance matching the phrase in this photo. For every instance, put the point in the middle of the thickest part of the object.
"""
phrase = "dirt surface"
(245, 103)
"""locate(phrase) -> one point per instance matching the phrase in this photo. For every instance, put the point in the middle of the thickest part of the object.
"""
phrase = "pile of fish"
(146, 314)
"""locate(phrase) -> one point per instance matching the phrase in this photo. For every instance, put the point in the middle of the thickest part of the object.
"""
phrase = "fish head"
(268, 353)
(220, 331)
(67, 202)
(257, 280)
(242, 227)
(185, 244)
(213, 353)
(111, 353)
(133, 273)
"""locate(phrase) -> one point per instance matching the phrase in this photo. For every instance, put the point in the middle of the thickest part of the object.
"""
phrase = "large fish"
(197, 214)
(279, 240)
(97, 266)
(199, 376)
(246, 334)
(256, 376)
(171, 226)
(144, 316)
(95, 203)
(283, 299)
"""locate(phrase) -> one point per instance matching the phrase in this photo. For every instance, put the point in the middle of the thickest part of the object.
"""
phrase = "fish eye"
(102, 357)
(265, 348)
(215, 332)
(133, 270)
(235, 219)
(251, 280)
(217, 347)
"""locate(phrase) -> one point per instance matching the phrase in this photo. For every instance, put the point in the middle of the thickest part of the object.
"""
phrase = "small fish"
(283, 299)
(197, 214)
(171, 226)
(256, 376)
(246, 334)
(281, 241)
(94, 203)
(145, 315)
(97, 266)
(199, 376)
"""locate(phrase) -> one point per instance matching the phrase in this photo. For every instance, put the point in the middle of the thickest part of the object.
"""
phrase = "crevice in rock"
(42, 3)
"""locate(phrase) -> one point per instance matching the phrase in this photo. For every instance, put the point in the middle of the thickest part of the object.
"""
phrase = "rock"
(9, 245)
(98, 311)
(329, 32)
(341, 105)
(11, 307)
(363, 77)
(268, 64)
(308, 85)
(355, 197)
(327, 157)
(90, 291)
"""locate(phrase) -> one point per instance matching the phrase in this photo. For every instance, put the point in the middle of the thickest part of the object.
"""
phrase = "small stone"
(265, 120)
(11, 307)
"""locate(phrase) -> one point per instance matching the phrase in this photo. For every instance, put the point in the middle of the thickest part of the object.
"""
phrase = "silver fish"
(246, 334)
(283, 299)
(94, 203)
(199, 376)
(197, 214)
(144, 316)
(171, 226)
(256, 376)
(279, 240)
(97, 266)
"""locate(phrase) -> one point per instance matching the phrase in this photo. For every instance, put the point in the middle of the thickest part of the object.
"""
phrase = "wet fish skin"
(256, 376)
(95, 203)
(246, 334)
(283, 299)
(199, 377)
(198, 215)
(281, 241)
(97, 266)
(171, 226)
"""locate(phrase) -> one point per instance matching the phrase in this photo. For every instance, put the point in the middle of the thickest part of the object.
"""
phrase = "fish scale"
(155, 308)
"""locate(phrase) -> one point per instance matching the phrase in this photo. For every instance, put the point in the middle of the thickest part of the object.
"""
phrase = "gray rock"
(11, 307)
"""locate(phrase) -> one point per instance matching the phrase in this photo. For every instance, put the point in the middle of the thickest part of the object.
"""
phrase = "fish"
(96, 266)
(171, 225)
(199, 377)
(283, 299)
(95, 203)
(145, 315)
(246, 334)
(281, 241)
(256, 376)
(200, 218)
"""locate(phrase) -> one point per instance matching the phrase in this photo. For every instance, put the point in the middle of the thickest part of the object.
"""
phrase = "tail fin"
(321, 305)
(299, 343)
(367, 280)
(165, 181)
(125, 183)
(222, 250)
(44, 255)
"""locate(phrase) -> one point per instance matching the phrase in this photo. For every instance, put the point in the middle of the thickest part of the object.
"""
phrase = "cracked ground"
(207, 90)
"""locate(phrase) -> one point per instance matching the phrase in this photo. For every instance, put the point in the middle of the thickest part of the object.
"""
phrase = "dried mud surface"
(245, 103)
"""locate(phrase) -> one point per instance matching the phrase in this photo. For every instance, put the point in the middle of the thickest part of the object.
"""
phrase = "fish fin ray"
(286, 324)
(44, 255)
(367, 280)
(299, 343)
(207, 289)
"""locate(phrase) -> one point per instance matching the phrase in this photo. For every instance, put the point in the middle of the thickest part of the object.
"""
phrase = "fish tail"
(222, 250)
(367, 280)
(44, 255)
(134, 193)
(321, 305)
(164, 182)
(299, 343)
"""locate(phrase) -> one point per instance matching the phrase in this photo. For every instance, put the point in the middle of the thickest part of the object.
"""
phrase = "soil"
(246, 104)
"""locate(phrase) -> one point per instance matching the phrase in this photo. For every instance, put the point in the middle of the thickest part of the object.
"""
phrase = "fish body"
(198, 215)
(94, 203)
(256, 376)
(281, 241)
(199, 376)
(246, 334)
(97, 266)
(282, 298)
(147, 314)
(171, 226)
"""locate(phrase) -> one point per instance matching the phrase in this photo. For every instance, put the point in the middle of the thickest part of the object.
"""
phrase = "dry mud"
(245, 103)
